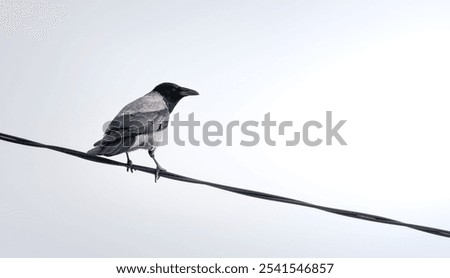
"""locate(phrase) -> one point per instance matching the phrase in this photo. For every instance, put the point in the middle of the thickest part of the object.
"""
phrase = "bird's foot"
(130, 166)
(158, 170)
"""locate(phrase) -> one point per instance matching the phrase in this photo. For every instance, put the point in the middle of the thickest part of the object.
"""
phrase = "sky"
(68, 67)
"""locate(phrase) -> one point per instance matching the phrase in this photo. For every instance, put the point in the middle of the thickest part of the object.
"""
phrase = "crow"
(140, 124)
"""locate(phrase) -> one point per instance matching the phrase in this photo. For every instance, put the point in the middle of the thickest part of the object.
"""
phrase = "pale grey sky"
(380, 65)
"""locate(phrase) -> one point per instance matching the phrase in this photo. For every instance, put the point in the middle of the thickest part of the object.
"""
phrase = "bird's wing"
(123, 129)
(130, 125)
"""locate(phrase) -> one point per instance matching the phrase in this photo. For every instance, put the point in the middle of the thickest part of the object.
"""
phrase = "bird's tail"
(108, 147)
(95, 151)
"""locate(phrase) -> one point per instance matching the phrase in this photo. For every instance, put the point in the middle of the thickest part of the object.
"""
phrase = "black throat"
(171, 100)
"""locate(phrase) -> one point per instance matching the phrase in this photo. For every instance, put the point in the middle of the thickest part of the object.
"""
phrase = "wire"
(246, 192)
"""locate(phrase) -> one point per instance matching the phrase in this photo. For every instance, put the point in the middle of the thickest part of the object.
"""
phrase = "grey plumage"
(140, 124)
(127, 132)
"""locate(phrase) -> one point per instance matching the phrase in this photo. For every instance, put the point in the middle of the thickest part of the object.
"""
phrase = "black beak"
(188, 92)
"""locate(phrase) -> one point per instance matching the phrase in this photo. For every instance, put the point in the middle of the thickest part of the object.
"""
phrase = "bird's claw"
(158, 170)
(130, 166)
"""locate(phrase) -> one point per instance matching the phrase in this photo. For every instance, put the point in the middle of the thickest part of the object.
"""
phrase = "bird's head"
(172, 93)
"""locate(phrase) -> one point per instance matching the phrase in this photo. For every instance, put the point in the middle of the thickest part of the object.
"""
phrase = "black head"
(172, 93)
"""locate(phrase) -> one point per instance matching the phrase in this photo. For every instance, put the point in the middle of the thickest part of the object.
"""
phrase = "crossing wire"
(242, 191)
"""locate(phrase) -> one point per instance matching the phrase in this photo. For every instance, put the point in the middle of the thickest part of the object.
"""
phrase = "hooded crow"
(139, 125)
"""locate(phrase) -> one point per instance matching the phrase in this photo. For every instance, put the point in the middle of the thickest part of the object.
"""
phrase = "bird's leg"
(129, 163)
(159, 169)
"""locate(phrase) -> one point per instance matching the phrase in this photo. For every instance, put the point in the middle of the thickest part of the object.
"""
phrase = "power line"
(246, 192)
